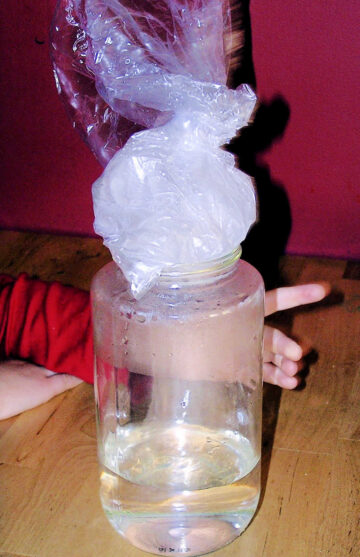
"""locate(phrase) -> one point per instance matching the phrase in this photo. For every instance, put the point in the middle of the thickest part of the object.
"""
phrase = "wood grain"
(70, 260)
(310, 503)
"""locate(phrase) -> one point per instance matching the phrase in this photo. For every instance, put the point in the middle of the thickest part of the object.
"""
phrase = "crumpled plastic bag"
(104, 130)
(171, 194)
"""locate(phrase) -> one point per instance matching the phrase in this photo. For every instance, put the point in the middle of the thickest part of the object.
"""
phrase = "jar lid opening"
(211, 266)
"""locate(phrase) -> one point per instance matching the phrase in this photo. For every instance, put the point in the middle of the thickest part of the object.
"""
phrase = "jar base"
(190, 536)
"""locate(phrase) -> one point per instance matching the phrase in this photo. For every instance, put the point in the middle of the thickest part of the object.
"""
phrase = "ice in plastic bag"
(171, 195)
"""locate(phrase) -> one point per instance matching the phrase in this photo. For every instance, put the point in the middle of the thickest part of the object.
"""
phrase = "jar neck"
(204, 272)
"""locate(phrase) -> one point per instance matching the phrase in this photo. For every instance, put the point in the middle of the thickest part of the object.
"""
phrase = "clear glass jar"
(178, 383)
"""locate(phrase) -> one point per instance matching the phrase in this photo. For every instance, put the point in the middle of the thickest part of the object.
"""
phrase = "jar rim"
(203, 267)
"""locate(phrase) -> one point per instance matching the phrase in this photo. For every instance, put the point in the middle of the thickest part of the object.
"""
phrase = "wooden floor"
(310, 503)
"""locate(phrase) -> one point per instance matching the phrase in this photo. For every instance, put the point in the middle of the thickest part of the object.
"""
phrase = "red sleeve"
(48, 324)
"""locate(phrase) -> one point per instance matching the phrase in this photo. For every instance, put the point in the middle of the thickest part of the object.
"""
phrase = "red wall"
(47, 169)
(305, 52)
(309, 52)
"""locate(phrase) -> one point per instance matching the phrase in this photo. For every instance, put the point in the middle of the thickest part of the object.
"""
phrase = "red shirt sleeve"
(48, 324)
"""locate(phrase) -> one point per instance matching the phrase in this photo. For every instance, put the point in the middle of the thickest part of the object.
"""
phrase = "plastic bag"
(101, 127)
(104, 130)
(171, 195)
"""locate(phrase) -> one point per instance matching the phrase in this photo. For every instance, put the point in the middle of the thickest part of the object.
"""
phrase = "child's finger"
(292, 296)
(278, 343)
(276, 376)
(289, 367)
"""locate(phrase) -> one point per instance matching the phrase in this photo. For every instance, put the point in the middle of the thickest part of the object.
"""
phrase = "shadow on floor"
(271, 403)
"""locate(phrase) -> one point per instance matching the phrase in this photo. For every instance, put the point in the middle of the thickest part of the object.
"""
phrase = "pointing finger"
(292, 296)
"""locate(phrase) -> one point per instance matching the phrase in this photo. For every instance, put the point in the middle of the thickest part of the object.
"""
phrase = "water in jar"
(176, 488)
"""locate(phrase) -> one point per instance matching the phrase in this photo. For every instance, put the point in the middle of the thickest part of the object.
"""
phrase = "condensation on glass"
(178, 381)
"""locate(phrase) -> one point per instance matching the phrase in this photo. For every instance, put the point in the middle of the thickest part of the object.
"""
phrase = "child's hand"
(282, 355)
(24, 386)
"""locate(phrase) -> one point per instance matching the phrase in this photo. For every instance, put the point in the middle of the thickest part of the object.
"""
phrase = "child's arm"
(50, 324)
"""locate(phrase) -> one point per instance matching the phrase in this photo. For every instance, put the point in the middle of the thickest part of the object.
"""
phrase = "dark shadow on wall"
(267, 239)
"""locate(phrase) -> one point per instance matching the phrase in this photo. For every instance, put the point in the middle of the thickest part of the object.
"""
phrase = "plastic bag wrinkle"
(170, 195)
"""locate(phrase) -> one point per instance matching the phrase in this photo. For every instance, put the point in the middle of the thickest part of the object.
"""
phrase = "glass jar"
(178, 385)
